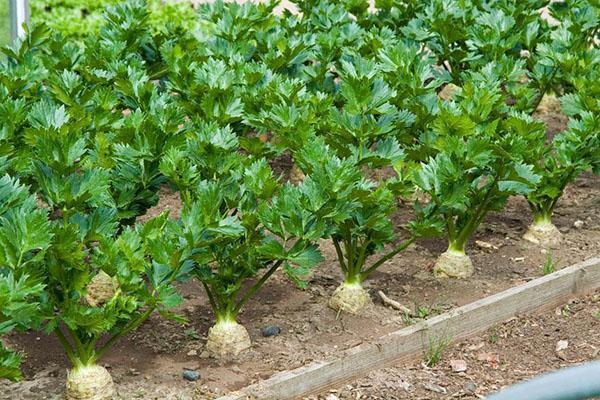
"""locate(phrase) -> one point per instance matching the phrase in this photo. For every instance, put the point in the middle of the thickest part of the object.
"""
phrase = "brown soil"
(149, 364)
(510, 352)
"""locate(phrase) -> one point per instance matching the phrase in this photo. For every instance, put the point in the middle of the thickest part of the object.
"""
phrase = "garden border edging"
(534, 296)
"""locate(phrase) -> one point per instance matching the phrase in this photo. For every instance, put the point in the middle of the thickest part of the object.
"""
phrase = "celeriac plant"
(480, 163)
(19, 290)
(99, 280)
(361, 223)
(104, 96)
(466, 35)
(570, 153)
(94, 285)
(239, 224)
(358, 163)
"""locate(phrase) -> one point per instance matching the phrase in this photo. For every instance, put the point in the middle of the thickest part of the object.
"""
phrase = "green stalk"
(256, 286)
(340, 255)
(456, 246)
(211, 298)
(540, 97)
(128, 328)
(402, 246)
(475, 219)
(542, 218)
(349, 246)
(226, 316)
(68, 348)
(362, 256)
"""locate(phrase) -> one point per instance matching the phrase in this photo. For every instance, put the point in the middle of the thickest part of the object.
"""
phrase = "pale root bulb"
(296, 175)
(453, 264)
(90, 383)
(544, 234)
(227, 338)
(448, 91)
(349, 297)
(101, 289)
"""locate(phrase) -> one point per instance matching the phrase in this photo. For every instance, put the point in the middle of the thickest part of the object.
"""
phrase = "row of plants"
(78, 19)
(420, 105)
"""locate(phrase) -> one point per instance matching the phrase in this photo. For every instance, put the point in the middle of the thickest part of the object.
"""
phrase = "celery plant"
(238, 224)
(480, 163)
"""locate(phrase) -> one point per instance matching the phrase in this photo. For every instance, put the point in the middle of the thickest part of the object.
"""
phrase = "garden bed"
(518, 349)
(150, 363)
(79, 272)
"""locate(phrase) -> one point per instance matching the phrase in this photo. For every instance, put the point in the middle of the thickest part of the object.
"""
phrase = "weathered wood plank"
(534, 296)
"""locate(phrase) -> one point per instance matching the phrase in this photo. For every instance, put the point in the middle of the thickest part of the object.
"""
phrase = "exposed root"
(227, 339)
(90, 383)
(453, 264)
(394, 304)
(544, 234)
(350, 298)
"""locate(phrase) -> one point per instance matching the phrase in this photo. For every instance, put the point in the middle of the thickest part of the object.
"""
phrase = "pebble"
(190, 375)
(470, 387)
(458, 365)
(578, 224)
(332, 397)
(273, 330)
(562, 345)
(192, 352)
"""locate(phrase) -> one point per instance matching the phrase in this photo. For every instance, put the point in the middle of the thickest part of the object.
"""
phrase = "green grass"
(434, 350)
(549, 266)
(4, 23)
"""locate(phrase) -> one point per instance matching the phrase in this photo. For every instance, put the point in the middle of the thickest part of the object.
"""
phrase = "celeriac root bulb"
(101, 289)
(227, 338)
(544, 234)
(453, 264)
(349, 297)
(296, 175)
(90, 383)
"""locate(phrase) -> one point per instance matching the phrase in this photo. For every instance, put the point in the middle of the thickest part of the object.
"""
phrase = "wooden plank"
(537, 295)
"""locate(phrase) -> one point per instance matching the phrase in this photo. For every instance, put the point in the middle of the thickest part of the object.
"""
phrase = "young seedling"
(238, 226)
(549, 265)
(479, 164)
(435, 348)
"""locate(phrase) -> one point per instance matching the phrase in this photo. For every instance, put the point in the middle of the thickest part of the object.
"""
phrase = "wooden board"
(537, 295)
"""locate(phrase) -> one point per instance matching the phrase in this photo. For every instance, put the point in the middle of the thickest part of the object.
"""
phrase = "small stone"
(190, 375)
(273, 330)
(562, 345)
(435, 388)
(458, 365)
(332, 396)
(192, 353)
(485, 245)
(470, 387)
(578, 224)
